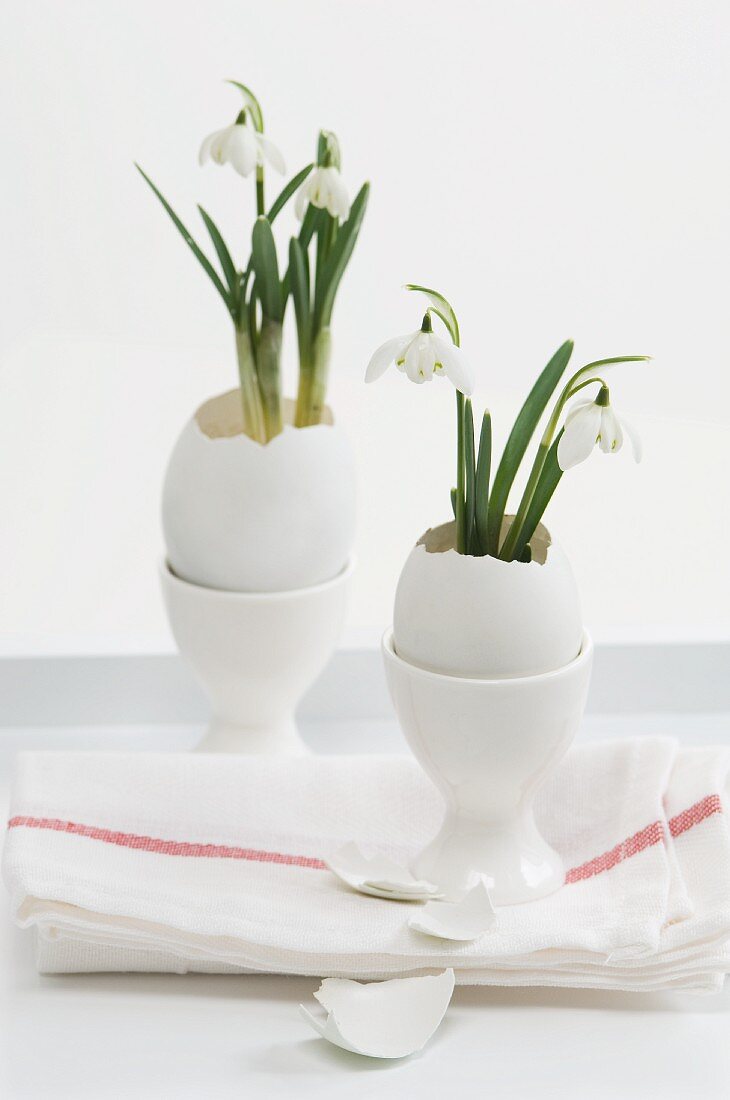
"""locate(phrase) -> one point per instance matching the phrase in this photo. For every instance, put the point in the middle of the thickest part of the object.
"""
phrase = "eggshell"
(466, 919)
(382, 1019)
(246, 517)
(484, 618)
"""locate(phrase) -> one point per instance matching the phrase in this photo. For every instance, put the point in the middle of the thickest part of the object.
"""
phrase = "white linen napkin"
(183, 863)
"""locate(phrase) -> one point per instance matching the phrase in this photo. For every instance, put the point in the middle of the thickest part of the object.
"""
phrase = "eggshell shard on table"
(466, 919)
(389, 1019)
(379, 876)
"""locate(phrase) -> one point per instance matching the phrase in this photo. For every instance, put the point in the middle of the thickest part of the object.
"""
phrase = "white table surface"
(161, 1036)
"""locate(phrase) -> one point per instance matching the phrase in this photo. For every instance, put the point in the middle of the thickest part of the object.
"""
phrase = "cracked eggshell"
(467, 919)
(484, 618)
(244, 517)
(378, 876)
(382, 1019)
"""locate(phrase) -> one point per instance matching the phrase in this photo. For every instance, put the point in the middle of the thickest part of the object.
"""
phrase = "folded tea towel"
(211, 863)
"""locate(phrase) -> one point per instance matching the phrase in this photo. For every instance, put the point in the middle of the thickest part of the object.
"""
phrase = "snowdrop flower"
(241, 146)
(594, 422)
(325, 189)
(421, 355)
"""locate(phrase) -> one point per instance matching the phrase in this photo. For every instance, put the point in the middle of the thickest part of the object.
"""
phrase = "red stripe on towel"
(712, 804)
(645, 838)
(165, 847)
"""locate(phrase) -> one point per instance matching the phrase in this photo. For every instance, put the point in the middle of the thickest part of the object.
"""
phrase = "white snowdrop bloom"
(243, 147)
(325, 189)
(421, 355)
(591, 423)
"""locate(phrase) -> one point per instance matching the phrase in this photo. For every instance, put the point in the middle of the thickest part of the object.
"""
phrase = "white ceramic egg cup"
(255, 654)
(488, 745)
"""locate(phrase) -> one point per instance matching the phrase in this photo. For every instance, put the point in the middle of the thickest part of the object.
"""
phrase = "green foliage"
(441, 307)
(483, 473)
(266, 270)
(335, 262)
(546, 486)
(519, 439)
(256, 295)
(193, 246)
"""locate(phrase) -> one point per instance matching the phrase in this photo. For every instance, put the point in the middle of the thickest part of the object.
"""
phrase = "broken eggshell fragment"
(389, 1019)
(467, 919)
(378, 876)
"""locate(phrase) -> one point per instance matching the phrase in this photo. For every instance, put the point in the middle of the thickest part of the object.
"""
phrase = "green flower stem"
(304, 392)
(325, 239)
(469, 479)
(269, 375)
(260, 203)
(313, 381)
(253, 412)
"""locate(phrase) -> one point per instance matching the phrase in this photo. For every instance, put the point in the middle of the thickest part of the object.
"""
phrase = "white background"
(557, 168)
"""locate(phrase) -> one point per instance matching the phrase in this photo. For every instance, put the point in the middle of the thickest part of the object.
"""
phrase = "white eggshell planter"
(482, 617)
(246, 517)
(488, 667)
(255, 654)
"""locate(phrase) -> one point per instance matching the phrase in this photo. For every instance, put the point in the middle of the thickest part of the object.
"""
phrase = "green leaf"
(334, 267)
(252, 320)
(195, 249)
(470, 475)
(326, 237)
(589, 367)
(519, 438)
(546, 486)
(275, 209)
(484, 468)
(441, 307)
(299, 278)
(312, 220)
(266, 268)
(291, 188)
(453, 502)
(252, 103)
(227, 264)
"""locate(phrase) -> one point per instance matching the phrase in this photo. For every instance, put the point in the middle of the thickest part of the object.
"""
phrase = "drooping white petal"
(575, 408)
(272, 153)
(325, 195)
(317, 188)
(456, 367)
(612, 437)
(302, 200)
(338, 203)
(420, 358)
(241, 150)
(219, 145)
(634, 439)
(579, 436)
(386, 354)
(205, 148)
